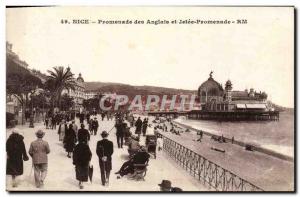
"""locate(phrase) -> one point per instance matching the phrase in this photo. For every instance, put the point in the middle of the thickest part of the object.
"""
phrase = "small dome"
(79, 78)
(228, 85)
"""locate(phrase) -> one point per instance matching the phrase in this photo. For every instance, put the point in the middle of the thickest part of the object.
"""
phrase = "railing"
(204, 170)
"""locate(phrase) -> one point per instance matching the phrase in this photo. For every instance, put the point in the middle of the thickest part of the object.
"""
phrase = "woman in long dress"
(70, 140)
(81, 158)
(16, 153)
(62, 130)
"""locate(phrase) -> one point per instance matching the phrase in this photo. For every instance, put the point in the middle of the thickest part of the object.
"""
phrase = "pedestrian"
(53, 126)
(81, 118)
(232, 139)
(47, 122)
(88, 115)
(83, 134)
(138, 125)
(95, 126)
(104, 151)
(82, 156)
(144, 126)
(166, 186)
(70, 140)
(159, 143)
(133, 145)
(39, 149)
(102, 116)
(119, 133)
(16, 153)
(62, 130)
(75, 127)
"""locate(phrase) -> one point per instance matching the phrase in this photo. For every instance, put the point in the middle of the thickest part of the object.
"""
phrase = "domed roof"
(228, 85)
(228, 82)
(210, 83)
(79, 78)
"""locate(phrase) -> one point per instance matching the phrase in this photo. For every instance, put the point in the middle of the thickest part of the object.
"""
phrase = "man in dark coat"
(53, 126)
(16, 153)
(104, 151)
(102, 116)
(141, 157)
(82, 156)
(145, 125)
(138, 125)
(81, 118)
(70, 140)
(119, 133)
(83, 134)
(95, 126)
(88, 116)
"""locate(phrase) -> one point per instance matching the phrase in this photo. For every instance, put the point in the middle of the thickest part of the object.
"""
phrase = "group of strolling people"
(76, 143)
(16, 154)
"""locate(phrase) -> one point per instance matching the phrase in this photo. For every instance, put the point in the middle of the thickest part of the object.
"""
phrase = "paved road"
(61, 173)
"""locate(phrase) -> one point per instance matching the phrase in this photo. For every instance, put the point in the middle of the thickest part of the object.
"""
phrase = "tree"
(66, 102)
(21, 84)
(58, 80)
(92, 103)
(39, 100)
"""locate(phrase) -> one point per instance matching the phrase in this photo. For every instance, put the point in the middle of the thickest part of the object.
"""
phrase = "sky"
(259, 54)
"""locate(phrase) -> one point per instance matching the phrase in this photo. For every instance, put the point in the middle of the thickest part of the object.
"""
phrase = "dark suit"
(105, 148)
(95, 126)
(120, 134)
(83, 135)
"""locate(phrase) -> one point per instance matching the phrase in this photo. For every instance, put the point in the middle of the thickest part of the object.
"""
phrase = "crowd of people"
(75, 141)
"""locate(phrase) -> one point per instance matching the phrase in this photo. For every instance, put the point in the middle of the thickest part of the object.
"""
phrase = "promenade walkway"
(61, 173)
(262, 170)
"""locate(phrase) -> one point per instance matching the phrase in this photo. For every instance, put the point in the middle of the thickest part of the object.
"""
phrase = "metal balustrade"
(205, 170)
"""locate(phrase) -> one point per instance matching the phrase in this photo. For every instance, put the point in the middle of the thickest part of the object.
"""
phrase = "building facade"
(213, 97)
(78, 94)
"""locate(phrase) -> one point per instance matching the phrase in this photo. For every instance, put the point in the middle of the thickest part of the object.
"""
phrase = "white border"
(4, 3)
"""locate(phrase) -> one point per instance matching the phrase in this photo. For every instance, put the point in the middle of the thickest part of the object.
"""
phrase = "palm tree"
(59, 80)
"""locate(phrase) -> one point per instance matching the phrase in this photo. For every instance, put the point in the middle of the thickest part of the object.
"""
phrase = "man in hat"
(166, 186)
(38, 151)
(104, 151)
(83, 134)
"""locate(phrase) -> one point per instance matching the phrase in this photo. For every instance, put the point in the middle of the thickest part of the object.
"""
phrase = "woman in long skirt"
(16, 153)
(81, 158)
(70, 140)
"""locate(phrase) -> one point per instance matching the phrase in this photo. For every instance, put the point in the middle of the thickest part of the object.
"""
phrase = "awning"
(241, 106)
(256, 106)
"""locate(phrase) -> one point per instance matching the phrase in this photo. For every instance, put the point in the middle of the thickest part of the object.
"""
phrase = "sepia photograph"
(150, 99)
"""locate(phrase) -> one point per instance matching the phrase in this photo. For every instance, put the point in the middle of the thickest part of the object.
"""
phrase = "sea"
(274, 135)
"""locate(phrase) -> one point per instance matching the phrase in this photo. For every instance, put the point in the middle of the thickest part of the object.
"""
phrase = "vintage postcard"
(150, 99)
